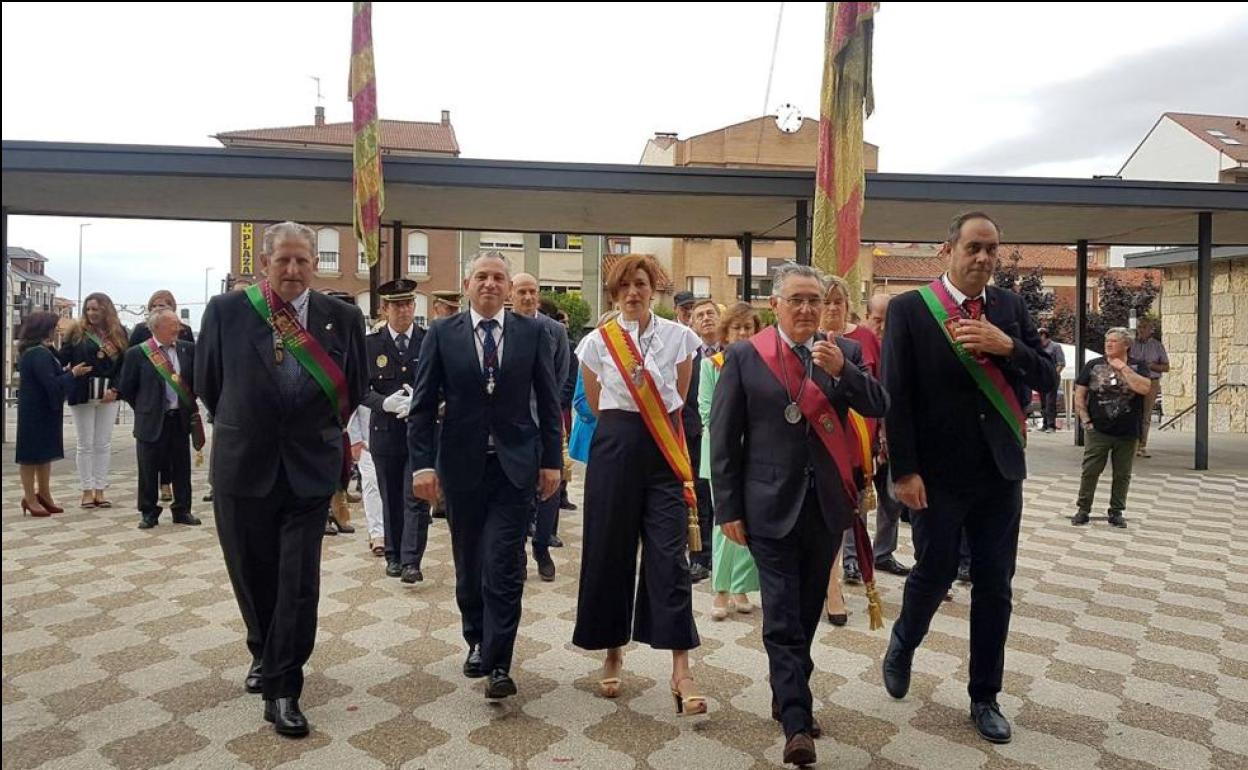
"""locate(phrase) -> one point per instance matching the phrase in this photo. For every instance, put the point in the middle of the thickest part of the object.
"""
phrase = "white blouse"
(664, 345)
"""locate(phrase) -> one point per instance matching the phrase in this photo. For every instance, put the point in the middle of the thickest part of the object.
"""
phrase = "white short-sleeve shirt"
(664, 344)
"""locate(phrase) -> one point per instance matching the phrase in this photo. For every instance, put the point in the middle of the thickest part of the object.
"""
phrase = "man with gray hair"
(1110, 394)
(157, 381)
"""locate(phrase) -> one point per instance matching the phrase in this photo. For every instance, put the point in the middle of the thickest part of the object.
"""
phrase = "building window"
(700, 285)
(502, 241)
(362, 259)
(327, 250)
(417, 253)
(559, 241)
(760, 288)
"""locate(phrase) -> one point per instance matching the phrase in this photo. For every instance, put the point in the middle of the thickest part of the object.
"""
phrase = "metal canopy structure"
(237, 184)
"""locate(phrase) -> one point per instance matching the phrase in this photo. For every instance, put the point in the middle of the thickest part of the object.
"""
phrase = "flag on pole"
(839, 176)
(370, 198)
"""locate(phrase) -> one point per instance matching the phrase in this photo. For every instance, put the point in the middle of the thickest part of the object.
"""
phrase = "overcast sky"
(1002, 88)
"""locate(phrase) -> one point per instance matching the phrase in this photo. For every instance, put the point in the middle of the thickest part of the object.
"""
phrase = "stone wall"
(1228, 347)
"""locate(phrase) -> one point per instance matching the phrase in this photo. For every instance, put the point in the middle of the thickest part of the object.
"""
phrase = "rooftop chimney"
(320, 116)
(446, 117)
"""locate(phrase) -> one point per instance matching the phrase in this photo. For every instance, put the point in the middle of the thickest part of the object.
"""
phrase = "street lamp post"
(78, 313)
(207, 270)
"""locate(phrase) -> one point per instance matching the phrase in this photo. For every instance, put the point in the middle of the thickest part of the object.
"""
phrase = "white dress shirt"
(478, 334)
(957, 294)
(664, 344)
(171, 353)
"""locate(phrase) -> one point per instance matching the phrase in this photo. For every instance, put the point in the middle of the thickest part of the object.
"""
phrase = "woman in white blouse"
(633, 496)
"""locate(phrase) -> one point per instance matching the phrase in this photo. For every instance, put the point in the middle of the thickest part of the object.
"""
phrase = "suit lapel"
(468, 337)
(262, 339)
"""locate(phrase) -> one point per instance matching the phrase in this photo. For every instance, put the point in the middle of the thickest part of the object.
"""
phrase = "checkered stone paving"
(123, 648)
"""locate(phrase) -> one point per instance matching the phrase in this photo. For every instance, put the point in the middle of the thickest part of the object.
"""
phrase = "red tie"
(974, 307)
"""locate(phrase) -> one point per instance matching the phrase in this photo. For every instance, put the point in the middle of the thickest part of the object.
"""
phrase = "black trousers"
(1048, 409)
(171, 450)
(706, 509)
(989, 514)
(632, 497)
(544, 515)
(488, 526)
(793, 580)
(405, 517)
(272, 548)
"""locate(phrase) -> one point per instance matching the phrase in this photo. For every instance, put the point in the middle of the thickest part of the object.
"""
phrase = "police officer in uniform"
(392, 354)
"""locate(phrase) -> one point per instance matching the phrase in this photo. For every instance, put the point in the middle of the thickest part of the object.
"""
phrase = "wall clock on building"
(788, 118)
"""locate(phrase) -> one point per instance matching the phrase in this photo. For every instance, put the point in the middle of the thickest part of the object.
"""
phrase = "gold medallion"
(382, 361)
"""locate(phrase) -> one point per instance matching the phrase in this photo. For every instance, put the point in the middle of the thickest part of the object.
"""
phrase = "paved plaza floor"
(1128, 649)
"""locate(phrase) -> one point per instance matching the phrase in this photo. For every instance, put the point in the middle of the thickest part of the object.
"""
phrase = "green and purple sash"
(164, 367)
(302, 345)
(983, 370)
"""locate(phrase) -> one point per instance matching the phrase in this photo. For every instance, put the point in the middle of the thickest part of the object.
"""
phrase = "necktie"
(401, 342)
(489, 347)
(974, 307)
(803, 353)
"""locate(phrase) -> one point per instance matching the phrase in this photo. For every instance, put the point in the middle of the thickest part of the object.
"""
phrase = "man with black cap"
(392, 356)
(446, 304)
(684, 302)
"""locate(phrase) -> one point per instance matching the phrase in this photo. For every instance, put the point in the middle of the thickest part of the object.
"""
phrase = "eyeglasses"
(797, 303)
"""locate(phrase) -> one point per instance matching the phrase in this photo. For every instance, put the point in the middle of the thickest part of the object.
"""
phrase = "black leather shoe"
(838, 619)
(816, 730)
(1080, 518)
(896, 669)
(799, 750)
(146, 523)
(286, 717)
(964, 573)
(412, 574)
(253, 681)
(473, 669)
(892, 566)
(698, 573)
(208, 497)
(189, 519)
(555, 542)
(1116, 520)
(393, 569)
(567, 505)
(989, 721)
(545, 566)
(500, 685)
(853, 576)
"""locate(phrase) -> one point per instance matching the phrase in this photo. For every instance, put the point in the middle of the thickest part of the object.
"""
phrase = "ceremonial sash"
(987, 375)
(645, 393)
(302, 345)
(164, 367)
(812, 402)
(106, 348)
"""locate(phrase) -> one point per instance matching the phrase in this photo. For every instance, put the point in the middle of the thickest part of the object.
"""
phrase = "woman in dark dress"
(40, 410)
(100, 340)
(162, 299)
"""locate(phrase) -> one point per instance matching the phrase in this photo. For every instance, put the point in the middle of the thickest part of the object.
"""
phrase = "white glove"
(398, 402)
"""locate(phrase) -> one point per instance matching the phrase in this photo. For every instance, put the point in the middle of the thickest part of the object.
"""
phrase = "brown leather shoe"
(799, 750)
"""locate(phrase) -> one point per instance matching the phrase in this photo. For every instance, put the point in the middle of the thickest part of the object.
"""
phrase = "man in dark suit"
(277, 450)
(163, 417)
(783, 480)
(544, 513)
(705, 323)
(491, 456)
(392, 355)
(955, 444)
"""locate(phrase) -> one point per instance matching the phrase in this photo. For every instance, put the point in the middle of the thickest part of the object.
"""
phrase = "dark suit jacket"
(759, 461)
(255, 430)
(143, 389)
(689, 413)
(449, 367)
(940, 425)
(387, 434)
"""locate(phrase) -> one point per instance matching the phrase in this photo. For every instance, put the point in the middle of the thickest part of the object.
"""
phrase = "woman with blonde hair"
(100, 340)
(638, 484)
(733, 572)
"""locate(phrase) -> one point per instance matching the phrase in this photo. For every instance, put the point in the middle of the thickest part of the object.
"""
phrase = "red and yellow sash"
(302, 345)
(106, 346)
(987, 375)
(645, 393)
(164, 367)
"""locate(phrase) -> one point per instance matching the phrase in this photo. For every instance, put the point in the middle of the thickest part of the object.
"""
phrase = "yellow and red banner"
(370, 197)
(845, 101)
